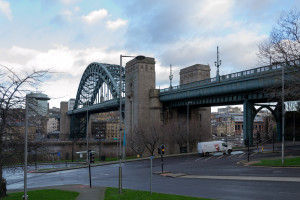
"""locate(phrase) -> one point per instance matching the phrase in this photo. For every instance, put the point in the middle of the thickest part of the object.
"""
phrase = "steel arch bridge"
(92, 84)
(98, 90)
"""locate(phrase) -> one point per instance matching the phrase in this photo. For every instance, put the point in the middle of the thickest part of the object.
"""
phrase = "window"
(224, 144)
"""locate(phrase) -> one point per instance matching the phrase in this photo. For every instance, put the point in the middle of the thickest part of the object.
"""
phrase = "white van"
(204, 148)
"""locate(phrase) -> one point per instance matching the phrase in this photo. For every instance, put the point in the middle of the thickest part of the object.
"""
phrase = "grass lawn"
(113, 194)
(115, 159)
(289, 162)
(49, 194)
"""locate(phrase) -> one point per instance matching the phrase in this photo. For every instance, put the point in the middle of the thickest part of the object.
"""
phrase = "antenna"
(171, 76)
(218, 63)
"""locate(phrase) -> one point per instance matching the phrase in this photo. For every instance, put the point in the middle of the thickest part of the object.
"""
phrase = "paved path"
(86, 193)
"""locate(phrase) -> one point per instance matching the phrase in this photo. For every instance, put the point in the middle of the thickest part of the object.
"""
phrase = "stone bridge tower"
(142, 99)
(142, 105)
(199, 115)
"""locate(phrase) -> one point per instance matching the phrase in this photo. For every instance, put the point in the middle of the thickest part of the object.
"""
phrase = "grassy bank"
(113, 194)
(49, 194)
(96, 162)
(289, 162)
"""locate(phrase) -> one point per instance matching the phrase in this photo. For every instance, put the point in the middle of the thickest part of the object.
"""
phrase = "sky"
(65, 36)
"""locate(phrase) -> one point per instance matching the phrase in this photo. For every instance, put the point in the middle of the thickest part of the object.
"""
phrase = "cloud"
(95, 16)
(66, 64)
(214, 14)
(77, 9)
(237, 51)
(113, 25)
(152, 24)
(5, 9)
(191, 32)
(67, 2)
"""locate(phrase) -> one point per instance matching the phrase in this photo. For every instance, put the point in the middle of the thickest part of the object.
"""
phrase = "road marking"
(254, 154)
(231, 156)
(242, 154)
(208, 158)
(220, 157)
(198, 159)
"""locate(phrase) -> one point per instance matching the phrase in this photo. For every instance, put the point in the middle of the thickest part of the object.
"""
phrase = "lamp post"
(120, 120)
(282, 111)
(230, 127)
(188, 127)
(87, 133)
(25, 197)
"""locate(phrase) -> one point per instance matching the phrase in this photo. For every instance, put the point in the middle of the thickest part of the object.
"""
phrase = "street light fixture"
(140, 57)
(38, 98)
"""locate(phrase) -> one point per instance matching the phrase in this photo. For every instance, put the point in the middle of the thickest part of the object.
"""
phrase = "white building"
(35, 106)
(71, 104)
(53, 124)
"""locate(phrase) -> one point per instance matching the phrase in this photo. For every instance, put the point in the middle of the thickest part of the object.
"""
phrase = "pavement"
(185, 175)
(86, 193)
(259, 148)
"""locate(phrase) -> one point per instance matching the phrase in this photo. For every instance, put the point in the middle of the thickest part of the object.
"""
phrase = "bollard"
(151, 158)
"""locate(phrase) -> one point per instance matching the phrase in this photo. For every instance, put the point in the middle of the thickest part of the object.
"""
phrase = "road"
(136, 175)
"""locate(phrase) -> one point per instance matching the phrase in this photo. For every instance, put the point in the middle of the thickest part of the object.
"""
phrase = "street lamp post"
(120, 120)
(188, 127)
(283, 113)
(25, 197)
(226, 130)
(87, 132)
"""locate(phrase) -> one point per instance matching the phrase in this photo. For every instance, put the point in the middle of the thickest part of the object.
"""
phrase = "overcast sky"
(67, 35)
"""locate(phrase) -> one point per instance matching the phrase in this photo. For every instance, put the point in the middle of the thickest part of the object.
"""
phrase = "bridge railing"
(236, 75)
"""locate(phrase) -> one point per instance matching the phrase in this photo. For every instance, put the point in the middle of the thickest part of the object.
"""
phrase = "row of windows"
(256, 127)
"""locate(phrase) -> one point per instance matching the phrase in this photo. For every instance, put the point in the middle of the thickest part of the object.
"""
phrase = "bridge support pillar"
(249, 114)
(278, 117)
(65, 121)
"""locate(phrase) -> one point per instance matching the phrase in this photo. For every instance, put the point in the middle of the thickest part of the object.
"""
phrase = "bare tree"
(298, 106)
(150, 135)
(269, 125)
(135, 141)
(178, 132)
(283, 47)
(195, 135)
(291, 105)
(13, 88)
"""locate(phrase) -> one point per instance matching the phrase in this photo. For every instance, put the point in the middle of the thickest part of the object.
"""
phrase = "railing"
(263, 141)
(223, 78)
